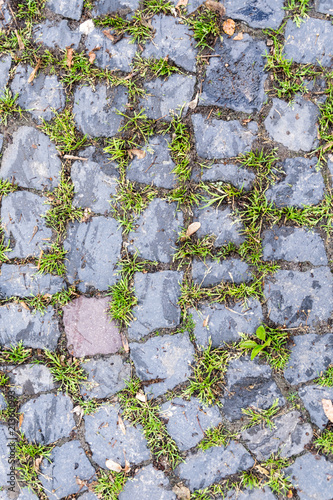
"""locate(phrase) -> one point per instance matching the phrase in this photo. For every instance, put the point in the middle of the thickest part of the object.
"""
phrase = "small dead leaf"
(71, 157)
(92, 56)
(121, 425)
(139, 153)
(79, 412)
(114, 466)
(141, 397)
(127, 467)
(192, 228)
(193, 104)
(125, 343)
(328, 408)
(34, 146)
(86, 215)
(69, 56)
(215, 6)
(182, 492)
(239, 36)
(40, 258)
(19, 40)
(229, 27)
(205, 321)
(290, 494)
(37, 463)
(181, 3)
(110, 36)
(34, 71)
(24, 305)
(262, 470)
(21, 418)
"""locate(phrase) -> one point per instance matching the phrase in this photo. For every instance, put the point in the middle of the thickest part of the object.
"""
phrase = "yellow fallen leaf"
(192, 228)
(139, 153)
(114, 466)
(239, 36)
(215, 6)
(24, 305)
(21, 418)
(328, 408)
(121, 425)
(34, 71)
(229, 27)
(69, 56)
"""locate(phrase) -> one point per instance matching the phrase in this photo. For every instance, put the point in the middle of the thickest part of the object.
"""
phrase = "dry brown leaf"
(19, 39)
(40, 259)
(141, 397)
(69, 56)
(328, 408)
(192, 228)
(114, 466)
(193, 104)
(229, 27)
(139, 153)
(34, 71)
(79, 412)
(182, 492)
(239, 36)
(205, 322)
(215, 6)
(125, 343)
(290, 494)
(121, 425)
(71, 157)
(127, 467)
(109, 35)
(37, 463)
(24, 305)
(181, 3)
(92, 56)
(21, 418)
(262, 470)
(86, 215)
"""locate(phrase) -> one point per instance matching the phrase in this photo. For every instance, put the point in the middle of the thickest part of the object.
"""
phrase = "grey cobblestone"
(148, 484)
(256, 13)
(58, 34)
(24, 281)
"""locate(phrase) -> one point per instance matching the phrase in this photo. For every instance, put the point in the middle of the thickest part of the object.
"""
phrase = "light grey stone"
(31, 160)
(187, 421)
(23, 281)
(157, 307)
(95, 111)
(93, 251)
(330, 168)
(89, 496)
(295, 297)
(240, 177)
(57, 34)
(251, 494)
(35, 330)
(5, 452)
(312, 476)
(29, 380)
(102, 7)
(157, 231)
(294, 245)
(221, 223)
(107, 441)
(148, 484)
(3, 403)
(1, 142)
(191, 6)
(105, 377)
(212, 272)
(5, 17)
(324, 6)
(27, 494)
(5, 63)
(312, 396)
(293, 125)
(256, 13)
(66, 8)
(167, 358)
(113, 56)
(47, 418)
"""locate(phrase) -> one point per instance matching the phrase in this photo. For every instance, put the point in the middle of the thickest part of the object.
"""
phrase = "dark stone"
(148, 483)
(240, 177)
(212, 272)
(102, 7)
(105, 377)
(5, 63)
(167, 358)
(295, 298)
(324, 6)
(312, 396)
(29, 380)
(312, 476)
(66, 8)
(256, 13)
(5, 439)
(157, 307)
(24, 281)
(221, 223)
(113, 56)
(57, 34)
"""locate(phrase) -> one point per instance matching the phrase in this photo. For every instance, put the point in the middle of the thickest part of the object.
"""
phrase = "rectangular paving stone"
(30, 379)
(24, 281)
(113, 56)
(105, 377)
(239, 176)
(66, 8)
(312, 396)
(148, 483)
(57, 34)
(102, 7)
(212, 272)
(256, 13)
(219, 222)
(312, 476)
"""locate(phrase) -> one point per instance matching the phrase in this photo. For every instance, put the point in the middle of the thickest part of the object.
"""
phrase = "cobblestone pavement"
(166, 249)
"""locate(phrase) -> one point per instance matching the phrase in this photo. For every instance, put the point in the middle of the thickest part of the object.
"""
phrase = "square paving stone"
(324, 6)
(107, 440)
(226, 323)
(5, 450)
(310, 355)
(66, 8)
(167, 358)
(172, 40)
(206, 467)
(5, 63)
(157, 307)
(221, 223)
(240, 177)
(294, 245)
(239, 84)
(89, 329)
(187, 421)
(62, 471)
(164, 98)
(256, 13)
(95, 111)
(148, 483)
(253, 494)
(41, 96)
(31, 160)
(102, 7)
(113, 56)
(312, 396)
(29, 380)
(47, 418)
(212, 272)
(156, 167)
(157, 231)
(22, 218)
(35, 330)
(293, 126)
(249, 384)
(312, 476)
(222, 139)
(105, 377)
(288, 437)
(295, 298)
(23, 281)
(93, 251)
(312, 42)
(301, 185)
(57, 34)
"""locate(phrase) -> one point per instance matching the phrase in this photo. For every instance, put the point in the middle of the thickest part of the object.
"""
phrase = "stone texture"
(312, 476)
(1, 141)
(251, 494)
(47, 418)
(248, 384)
(204, 468)
(107, 441)
(157, 231)
(113, 56)
(27, 494)
(66, 465)
(105, 377)
(188, 420)
(173, 40)
(35, 330)
(31, 160)
(156, 167)
(212, 272)
(312, 42)
(288, 437)
(102, 7)
(221, 223)
(295, 298)
(5, 63)
(22, 217)
(23, 281)
(240, 177)
(29, 380)
(66, 8)
(294, 245)
(57, 34)
(5, 15)
(93, 251)
(256, 13)
(226, 324)
(293, 126)
(148, 483)
(222, 139)
(39, 97)
(324, 6)
(164, 98)
(301, 184)
(239, 84)
(4, 454)
(88, 327)
(310, 355)
(312, 396)
(167, 358)
(95, 111)
(157, 306)
(3, 403)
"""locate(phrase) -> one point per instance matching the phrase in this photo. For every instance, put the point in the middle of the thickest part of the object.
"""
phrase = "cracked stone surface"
(66, 8)
(58, 34)
(109, 55)
(105, 377)
(312, 396)
(23, 281)
(220, 223)
(256, 13)
(5, 63)
(227, 172)
(31, 379)
(213, 272)
(148, 483)
(312, 476)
